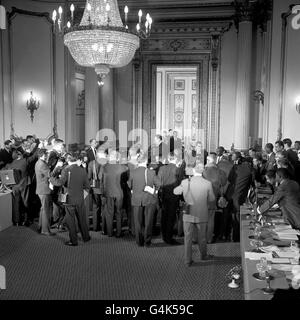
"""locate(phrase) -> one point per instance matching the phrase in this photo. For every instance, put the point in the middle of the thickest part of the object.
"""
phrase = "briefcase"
(62, 197)
(10, 177)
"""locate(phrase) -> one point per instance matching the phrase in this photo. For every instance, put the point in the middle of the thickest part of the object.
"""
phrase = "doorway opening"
(177, 106)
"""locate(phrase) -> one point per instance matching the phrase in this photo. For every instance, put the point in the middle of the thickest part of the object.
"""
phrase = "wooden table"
(251, 285)
(5, 210)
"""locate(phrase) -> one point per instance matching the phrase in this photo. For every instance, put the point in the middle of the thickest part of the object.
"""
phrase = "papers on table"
(258, 256)
(281, 260)
(289, 254)
(276, 255)
(283, 267)
(269, 257)
(285, 232)
(268, 249)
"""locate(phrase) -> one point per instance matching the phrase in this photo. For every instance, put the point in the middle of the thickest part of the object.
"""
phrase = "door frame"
(149, 67)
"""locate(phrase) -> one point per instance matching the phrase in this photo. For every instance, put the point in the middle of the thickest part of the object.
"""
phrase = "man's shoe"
(148, 245)
(189, 264)
(61, 228)
(175, 243)
(71, 244)
(27, 223)
(87, 240)
(207, 258)
(47, 233)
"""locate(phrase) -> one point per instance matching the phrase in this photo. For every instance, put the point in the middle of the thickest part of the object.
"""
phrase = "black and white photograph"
(149, 153)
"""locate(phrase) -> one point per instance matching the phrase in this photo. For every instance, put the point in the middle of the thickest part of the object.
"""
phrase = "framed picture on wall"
(179, 85)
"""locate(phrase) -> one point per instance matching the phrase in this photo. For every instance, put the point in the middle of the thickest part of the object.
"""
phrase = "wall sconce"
(298, 104)
(32, 105)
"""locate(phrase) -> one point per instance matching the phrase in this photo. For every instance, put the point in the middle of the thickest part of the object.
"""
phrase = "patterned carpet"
(43, 268)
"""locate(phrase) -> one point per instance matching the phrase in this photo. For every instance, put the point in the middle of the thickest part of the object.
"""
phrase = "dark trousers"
(45, 212)
(78, 212)
(168, 217)
(143, 220)
(236, 220)
(34, 202)
(96, 198)
(232, 220)
(19, 204)
(113, 206)
(226, 221)
(57, 211)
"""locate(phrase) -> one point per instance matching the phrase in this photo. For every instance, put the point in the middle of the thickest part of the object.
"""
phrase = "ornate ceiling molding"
(190, 29)
(176, 45)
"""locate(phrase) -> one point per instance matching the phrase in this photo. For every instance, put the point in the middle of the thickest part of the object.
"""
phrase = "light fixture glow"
(101, 40)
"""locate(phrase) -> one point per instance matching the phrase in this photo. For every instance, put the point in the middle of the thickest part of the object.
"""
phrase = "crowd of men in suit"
(180, 187)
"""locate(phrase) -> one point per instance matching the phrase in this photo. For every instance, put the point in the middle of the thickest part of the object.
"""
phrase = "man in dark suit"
(240, 180)
(132, 164)
(159, 151)
(92, 151)
(114, 174)
(169, 178)
(220, 154)
(55, 153)
(271, 161)
(279, 146)
(297, 148)
(259, 170)
(144, 185)
(53, 158)
(95, 176)
(74, 178)
(20, 191)
(42, 172)
(292, 157)
(225, 225)
(287, 196)
(177, 141)
(171, 141)
(290, 154)
(218, 179)
(6, 154)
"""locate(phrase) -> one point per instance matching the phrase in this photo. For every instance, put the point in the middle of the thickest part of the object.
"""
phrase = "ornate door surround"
(181, 44)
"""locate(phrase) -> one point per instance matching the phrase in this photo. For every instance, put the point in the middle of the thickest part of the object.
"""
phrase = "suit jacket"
(114, 176)
(22, 165)
(171, 143)
(95, 172)
(42, 173)
(52, 159)
(75, 180)
(287, 196)
(169, 178)
(5, 158)
(259, 173)
(240, 179)
(220, 158)
(177, 143)
(292, 157)
(160, 152)
(137, 183)
(90, 155)
(271, 162)
(217, 177)
(202, 195)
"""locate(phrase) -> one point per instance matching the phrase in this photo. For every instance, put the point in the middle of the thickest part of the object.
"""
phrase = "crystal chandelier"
(101, 40)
